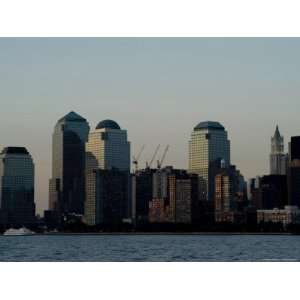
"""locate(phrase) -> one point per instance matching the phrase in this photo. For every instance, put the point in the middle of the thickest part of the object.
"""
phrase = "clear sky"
(156, 88)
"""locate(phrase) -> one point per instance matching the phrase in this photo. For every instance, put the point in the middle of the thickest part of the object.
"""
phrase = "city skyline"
(141, 166)
(147, 85)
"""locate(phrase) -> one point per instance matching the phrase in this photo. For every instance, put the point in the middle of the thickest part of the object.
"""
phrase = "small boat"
(20, 231)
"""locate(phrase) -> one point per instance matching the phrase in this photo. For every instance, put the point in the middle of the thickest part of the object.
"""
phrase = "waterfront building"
(269, 191)
(274, 192)
(67, 185)
(175, 197)
(142, 194)
(108, 147)
(287, 215)
(278, 159)
(109, 198)
(16, 187)
(294, 172)
(230, 195)
(108, 186)
(208, 145)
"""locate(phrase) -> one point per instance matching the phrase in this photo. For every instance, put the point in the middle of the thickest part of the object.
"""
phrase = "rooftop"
(209, 125)
(72, 117)
(14, 150)
(108, 124)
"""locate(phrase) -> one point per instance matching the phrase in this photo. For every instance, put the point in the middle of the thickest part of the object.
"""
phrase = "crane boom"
(135, 160)
(159, 163)
(154, 155)
(140, 153)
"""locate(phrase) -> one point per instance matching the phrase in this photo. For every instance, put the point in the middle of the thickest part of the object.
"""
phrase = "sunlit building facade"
(208, 146)
(108, 150)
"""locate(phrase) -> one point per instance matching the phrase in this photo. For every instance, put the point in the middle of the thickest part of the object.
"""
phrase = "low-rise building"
(288, 215)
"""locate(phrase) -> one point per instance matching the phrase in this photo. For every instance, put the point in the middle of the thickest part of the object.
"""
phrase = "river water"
(153, 248)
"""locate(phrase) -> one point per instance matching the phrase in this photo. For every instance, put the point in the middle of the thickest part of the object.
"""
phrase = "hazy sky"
(158, 89)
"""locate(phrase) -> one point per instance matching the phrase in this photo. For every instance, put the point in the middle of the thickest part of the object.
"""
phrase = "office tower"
(175, 197)
(273, 192)
(228, 192)
(107, 149)
(107, 203)
(278, 159)
(294, 171)
(142, 194)
(17, 186)
(67, 185)
(208, 146)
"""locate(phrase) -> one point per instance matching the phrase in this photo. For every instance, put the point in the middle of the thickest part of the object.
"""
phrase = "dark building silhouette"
(274, 192)
(17, 205)
(67, 185)
(109, 201)
(294, 172)
(294, 148)
(142, 194)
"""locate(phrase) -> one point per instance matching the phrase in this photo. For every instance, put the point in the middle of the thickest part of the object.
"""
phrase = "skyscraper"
(107, 149)
(142, 193)
(230, 195)
(209, 145)
(67, 185)
(108, 203)
(175, 197)
(294, 171)
(17, 186)
(278, 159)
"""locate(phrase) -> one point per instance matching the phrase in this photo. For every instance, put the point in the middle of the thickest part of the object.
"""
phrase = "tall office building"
(209, 145)
(278, 159)
(107, 149)
(110, 202)
(142, 194)
(67, 185)
(17, 186)
(175, 197)
(294, 171)
(230, 195)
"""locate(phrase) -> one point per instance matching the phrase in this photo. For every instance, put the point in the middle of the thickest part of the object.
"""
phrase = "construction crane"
(159, 163)
(148, 166)
(135, 159)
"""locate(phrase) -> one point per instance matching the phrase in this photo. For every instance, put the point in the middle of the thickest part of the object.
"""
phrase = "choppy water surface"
(155, 248)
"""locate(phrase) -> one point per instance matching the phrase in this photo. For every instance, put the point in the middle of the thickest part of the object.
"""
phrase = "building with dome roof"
(107, 161)
(107, 147)
(208, 146)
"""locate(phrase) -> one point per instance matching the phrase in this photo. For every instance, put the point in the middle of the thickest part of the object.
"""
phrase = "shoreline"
(162, 234)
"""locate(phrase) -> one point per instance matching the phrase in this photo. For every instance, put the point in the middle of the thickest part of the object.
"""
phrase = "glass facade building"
(67, 185)
(107, 149)
(208, 147)
(294, 171)
(17, 186)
